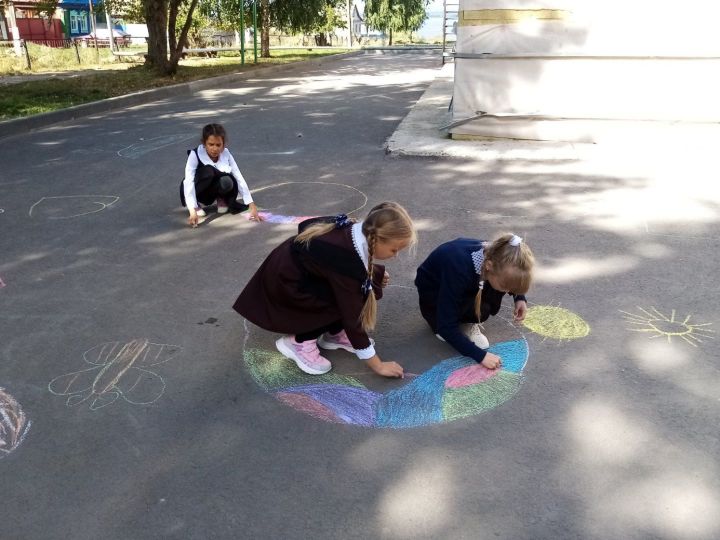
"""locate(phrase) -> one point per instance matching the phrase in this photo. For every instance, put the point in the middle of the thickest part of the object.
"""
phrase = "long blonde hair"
(513, 262)
(385, 222)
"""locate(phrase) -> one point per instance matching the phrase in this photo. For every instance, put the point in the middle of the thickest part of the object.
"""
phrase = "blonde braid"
(313, 231)
(368, 315)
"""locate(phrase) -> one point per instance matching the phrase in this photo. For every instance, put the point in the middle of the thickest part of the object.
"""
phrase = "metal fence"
(14, 54)
(51, 53)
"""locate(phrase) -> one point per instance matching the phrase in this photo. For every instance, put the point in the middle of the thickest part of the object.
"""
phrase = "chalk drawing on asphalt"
(145, 146)
(454, 388)
(13, 424)
(118, 370)
(2, 283)
(555, 322)
(276, 215)
(658, 325)
(71, 206)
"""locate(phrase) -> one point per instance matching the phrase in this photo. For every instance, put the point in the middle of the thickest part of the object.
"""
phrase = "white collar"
(360, 243)
(206, 159)
(478, 257)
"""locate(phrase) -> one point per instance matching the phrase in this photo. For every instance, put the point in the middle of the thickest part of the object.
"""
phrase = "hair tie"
(515, 240)
(342, 221)
(366, 287)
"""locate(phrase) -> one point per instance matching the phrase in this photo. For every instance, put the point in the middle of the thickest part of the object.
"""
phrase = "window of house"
(83, 16)
(73, 22)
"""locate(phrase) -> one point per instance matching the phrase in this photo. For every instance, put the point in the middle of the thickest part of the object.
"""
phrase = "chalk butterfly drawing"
(118, 370)
(13, 424)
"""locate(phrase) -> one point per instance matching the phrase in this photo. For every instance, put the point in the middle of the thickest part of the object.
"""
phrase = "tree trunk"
(265, 29)
(156, 19)
(390, 39)
(177, 45)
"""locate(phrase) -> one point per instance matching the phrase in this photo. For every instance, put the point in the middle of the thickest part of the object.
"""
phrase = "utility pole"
(110, 29)
(94, 30)
(14, 30)
(350, 7)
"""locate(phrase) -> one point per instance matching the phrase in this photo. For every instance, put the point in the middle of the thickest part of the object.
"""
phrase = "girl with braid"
(321, 287)
(462, 282)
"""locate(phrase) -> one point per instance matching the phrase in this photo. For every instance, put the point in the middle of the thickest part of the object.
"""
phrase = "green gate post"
(255, 29)
(242, 35)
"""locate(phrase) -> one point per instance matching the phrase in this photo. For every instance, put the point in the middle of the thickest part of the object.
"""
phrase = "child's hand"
(492, 361)
(385, 280)
(520, 311)
(193, 219)
(254, 216)
(386, 369)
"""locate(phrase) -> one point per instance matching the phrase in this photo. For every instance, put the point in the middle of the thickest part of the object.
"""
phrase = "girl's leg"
(303, 349)
(429, 313)
(206, 184)
(227, 195)
(332, 328)
(335, 338)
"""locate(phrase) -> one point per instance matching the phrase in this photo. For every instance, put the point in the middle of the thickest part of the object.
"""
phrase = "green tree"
(316, 17)
(390, 16)
(130, 11)
(165, 44)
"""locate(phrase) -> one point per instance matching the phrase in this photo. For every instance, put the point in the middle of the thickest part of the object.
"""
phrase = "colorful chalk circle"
(556, 323)
(13, 424)
(454, 388)
(656, 324)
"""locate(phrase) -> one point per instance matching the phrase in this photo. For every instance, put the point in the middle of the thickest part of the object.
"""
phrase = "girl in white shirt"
(212, 176)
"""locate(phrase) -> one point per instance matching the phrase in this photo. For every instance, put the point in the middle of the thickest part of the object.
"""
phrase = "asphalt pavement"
(137, 404)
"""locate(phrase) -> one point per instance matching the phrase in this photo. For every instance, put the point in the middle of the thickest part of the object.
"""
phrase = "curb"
(20, 126)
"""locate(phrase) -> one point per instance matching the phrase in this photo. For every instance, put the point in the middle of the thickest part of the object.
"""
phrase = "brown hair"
(213, 129)
(513, 262)
(385, 222)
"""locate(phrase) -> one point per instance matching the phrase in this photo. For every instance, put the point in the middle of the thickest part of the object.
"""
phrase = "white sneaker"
(306, 355)
(200, 212)
(472, 331)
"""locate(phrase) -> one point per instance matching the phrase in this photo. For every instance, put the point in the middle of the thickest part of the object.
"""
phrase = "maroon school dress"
(299, 289)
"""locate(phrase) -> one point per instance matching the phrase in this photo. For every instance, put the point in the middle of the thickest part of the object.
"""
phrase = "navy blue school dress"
(447, 283)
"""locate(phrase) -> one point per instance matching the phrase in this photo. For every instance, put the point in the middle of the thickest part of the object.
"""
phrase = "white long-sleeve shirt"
(225, 163)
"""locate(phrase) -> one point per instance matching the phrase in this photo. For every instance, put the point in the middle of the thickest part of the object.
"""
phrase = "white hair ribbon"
(515, 240)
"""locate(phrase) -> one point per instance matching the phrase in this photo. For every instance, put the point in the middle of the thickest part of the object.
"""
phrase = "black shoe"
(236, 207)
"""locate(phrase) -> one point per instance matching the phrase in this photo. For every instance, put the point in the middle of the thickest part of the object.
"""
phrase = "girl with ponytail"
(462, 282)
(321, 287)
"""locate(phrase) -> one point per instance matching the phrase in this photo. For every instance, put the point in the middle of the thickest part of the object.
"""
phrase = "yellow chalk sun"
(661, 325)
(555, 322)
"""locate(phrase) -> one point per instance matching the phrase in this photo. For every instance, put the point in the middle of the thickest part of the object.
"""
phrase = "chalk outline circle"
(103, 206)
(318, 182)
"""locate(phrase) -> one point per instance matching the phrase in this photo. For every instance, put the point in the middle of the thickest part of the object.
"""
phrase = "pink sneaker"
(222, 206)
(306, 355)
(337, 341)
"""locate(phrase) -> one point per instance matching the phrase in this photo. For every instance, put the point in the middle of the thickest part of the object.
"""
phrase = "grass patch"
(59, 92)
